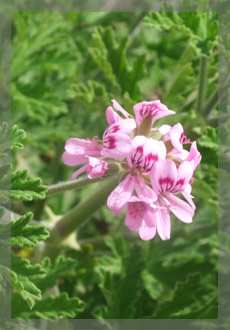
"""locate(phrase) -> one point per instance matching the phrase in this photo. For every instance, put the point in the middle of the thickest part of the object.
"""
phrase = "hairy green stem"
(202, 83)
(81, 212)
(74, 184)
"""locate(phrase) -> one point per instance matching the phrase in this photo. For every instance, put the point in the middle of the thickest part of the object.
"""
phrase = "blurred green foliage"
(66, 67)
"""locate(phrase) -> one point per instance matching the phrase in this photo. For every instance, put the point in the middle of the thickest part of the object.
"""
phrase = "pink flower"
(168, 181)
(154, 172)
(95, 168)
(155, 109)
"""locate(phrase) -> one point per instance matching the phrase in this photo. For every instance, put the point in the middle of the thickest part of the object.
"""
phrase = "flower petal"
(194, 155)
(119, 108)
(144, 192)
(184, 174)
(111, 116)
(116, 146)
(182, 210)
(164, 129)
(83, 147)
(163, 175)
(96, 168)
(119, 197)
(122, 126)
(79, 171)
(176, 135)
(163, 222)
(178, 156)
(187, 195)
(152, 152)
(146, 233)
(135, 157)
(134, 214)
(155, 109)
(150, 217)
(73, 160)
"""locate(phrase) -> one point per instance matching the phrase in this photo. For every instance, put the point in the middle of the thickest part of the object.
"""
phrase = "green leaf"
(89, 92)
(4, 182)
(121, 290)
(61, 266)
(44, 63)
(4, 139)
(153, 286)
(192, 297)
(55, 308)
(24, 235)
(201, 28)
(17, 137)
(23, 276)
(26, 189)
(110, 56)
(209, 138)
(208, 146)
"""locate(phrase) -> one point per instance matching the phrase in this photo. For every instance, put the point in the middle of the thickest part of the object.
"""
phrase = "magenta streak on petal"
(149, 109)
(166, 181)
(137, 157)
(181, 137)
(150, 159)
(115, 129)
(111, 142)
(178, 185)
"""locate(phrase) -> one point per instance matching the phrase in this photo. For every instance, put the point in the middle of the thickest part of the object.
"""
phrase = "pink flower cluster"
(155, 167)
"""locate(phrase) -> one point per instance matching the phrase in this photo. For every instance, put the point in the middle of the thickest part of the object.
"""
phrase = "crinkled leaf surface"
(184, 302)
(55, 308)
(110, 56)
(61, 266)
(114, 285)
(17, 137)
(26, 189)
(24, 235)
(200, 27)
(23, 276)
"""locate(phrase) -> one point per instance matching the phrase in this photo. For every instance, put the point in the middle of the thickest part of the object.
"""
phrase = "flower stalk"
(81, 182)
(81, 212)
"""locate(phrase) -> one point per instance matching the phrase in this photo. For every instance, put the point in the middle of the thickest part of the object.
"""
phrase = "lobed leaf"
(4, 139)
(26, 189)
(190, 297)
(17, 137)
(110, 56)
(55, 308)
(24, 235)
(114, 285)
(61, 266)
(201, 28)
(23, 276)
